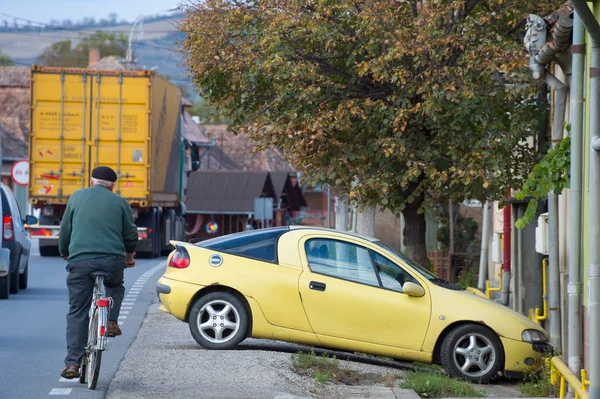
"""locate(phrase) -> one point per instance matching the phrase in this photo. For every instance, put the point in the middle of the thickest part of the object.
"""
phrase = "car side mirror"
(412, 289)
(30, 219)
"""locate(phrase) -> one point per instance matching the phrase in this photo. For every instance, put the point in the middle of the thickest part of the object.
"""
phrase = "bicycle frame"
(101, 304)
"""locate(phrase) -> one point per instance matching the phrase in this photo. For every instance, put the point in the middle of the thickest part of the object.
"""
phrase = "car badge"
(215, 260)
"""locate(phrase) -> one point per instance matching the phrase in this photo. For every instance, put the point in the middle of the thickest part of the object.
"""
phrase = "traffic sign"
(20, 172)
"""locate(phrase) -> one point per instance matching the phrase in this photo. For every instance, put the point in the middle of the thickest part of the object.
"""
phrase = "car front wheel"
(472, 352)
(218, 321)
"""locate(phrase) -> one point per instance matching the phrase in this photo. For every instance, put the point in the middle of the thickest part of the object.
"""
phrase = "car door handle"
(315, 285)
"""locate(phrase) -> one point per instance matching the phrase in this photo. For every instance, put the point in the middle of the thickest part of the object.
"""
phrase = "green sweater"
(96, 223)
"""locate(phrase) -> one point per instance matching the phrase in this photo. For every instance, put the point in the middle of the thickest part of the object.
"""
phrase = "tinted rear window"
(256, 244)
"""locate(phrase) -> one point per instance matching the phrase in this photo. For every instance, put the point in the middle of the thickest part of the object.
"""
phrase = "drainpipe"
(560, 94)
(506, 260)
(483, 256)
(593, 28)
(574, 263)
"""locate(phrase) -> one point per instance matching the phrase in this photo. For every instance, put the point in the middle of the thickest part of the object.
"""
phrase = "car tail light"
(102, 331)
(142, 235)
(8, 233)
(180, 259)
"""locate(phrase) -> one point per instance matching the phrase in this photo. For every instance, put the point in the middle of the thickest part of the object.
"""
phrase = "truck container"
(128, 120)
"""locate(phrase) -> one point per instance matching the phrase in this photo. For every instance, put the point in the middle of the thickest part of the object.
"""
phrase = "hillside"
(156, 47)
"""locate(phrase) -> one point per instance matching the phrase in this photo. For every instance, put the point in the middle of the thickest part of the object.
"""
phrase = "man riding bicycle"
(97, 233)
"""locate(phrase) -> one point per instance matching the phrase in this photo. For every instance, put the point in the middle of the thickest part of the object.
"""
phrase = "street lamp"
(129, 53)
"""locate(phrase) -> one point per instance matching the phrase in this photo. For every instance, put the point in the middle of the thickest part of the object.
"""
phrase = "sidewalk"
(164, 361)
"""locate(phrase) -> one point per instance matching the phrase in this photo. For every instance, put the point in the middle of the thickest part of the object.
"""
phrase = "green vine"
(551, 173)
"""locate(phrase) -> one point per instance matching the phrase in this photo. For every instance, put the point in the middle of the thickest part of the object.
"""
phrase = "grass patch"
(538, 384)
(326, 369)
(434, 385)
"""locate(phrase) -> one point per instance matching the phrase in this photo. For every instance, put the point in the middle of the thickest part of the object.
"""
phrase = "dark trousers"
(81, 286)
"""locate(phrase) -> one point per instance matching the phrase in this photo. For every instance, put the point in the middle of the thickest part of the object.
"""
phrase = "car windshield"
(420, 269)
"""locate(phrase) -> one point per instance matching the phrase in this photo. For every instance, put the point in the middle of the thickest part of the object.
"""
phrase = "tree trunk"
(365, 223)
(341, 213)
(414, 233)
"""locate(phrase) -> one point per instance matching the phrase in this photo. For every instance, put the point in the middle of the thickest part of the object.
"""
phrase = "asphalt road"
(32, 331)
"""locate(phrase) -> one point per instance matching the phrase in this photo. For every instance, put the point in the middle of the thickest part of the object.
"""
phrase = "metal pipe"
(506, 259)
(483, 256)
(574, 332)
(541, 317)
(560, 94)
(519, 266)
(594, 204)
(593, 28)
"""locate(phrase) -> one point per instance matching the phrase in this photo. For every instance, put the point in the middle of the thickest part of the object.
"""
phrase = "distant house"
(14, 117)
(230, 177)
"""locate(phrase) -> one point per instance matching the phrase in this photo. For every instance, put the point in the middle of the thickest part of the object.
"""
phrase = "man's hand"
(129, 260)
(65, 257)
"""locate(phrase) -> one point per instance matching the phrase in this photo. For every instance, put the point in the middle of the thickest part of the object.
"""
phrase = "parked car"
(15, 238)
(4, 267)
(338, 290)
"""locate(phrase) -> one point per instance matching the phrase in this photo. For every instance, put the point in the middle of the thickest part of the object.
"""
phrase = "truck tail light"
(180, 259)
(7, 227)
(39, 232)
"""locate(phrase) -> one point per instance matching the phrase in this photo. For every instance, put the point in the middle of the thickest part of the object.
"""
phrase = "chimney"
(93, 57)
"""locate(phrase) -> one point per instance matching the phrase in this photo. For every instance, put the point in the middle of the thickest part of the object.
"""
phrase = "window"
(255, 244)
(342, 260)
(392, 276)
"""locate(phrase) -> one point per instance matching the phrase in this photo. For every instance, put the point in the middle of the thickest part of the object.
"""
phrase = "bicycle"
(97, 339)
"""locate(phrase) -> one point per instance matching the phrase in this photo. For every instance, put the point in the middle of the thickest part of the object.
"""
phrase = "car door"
(21, 235)
(344, 298)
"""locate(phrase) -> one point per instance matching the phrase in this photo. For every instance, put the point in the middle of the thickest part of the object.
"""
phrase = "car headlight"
(533, 336)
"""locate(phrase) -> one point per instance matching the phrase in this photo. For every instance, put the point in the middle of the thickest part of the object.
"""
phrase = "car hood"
(454, 306)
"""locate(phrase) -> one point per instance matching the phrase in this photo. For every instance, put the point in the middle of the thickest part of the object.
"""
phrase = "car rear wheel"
(472, 352)
(218, 321)
(14, 277)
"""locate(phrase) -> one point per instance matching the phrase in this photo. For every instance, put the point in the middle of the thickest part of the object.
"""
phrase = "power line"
(82, 32)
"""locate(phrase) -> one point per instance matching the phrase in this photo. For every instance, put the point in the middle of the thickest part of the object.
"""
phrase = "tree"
(400, 104)
(64, 54)
(5, 60)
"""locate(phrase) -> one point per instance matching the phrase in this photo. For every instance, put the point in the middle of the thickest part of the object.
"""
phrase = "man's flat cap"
(104, 173)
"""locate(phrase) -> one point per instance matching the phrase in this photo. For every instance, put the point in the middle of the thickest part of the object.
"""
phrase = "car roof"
(325, 229)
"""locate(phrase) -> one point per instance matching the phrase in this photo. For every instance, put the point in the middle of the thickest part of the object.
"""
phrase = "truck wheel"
(169, 232)
(49, 250)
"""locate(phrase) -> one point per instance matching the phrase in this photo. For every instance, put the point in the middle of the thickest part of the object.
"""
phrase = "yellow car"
(333, 289)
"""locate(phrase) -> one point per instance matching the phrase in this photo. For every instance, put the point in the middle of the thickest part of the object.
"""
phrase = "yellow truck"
(128, 120)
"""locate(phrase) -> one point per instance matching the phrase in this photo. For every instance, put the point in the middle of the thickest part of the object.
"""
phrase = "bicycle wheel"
(94, 356)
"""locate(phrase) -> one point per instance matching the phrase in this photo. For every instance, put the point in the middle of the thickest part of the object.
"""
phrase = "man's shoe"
(70, 372)
(113, 329)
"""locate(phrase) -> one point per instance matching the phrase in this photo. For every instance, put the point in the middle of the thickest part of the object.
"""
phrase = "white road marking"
(60, 391)
(67, 380)
(124, 312)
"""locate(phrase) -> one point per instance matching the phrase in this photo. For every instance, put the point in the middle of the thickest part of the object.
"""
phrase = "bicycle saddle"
(101, 274)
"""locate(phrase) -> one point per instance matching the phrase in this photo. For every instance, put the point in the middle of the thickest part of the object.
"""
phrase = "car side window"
(392, 276)
(342, 260)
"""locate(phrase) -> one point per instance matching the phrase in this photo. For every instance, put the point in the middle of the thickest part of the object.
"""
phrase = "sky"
(75, 10)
